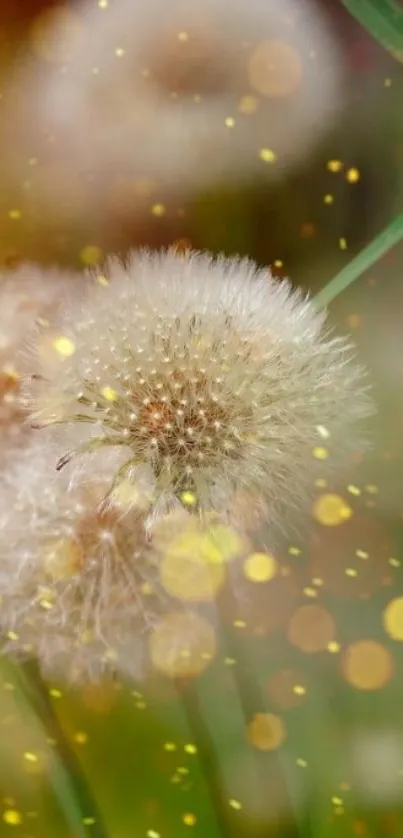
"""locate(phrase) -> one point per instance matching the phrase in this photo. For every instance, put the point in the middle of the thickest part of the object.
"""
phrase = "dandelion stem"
(383, 19)
(66, 775)
(390, 236)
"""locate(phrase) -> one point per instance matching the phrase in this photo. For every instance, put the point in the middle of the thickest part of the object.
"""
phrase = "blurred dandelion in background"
(173, 96)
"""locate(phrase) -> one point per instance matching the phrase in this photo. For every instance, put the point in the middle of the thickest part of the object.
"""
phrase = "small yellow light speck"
(229, 661)
(267, 155)
(294, 551)
(298, 689)
(109, 394)
(235, 804)
(30, 756)
(119, 52)
(158, 210)
(333, 647)
(89, 821)
(230, 121)
(323, 432)
(189, 498)
(103, 4)
(44, 603)
(362, 554)
(80, 737)
(328, 198)
(183, 770)
(15, 214)
(334, 165)
(170, 746)
(317, 581)
(239, 624)
(343, 243)
(91, 254)
(183, 36)
(352, 175)
(387, 82)
(189, 819)
(12, 635)
(311, 592)
(12, 817)
(354, 490)
(278, 263)
(320, 453)
(64, 346)
(337, 801)
(55, 693)
(190, 748)
(102, 280)
(351, 571)
(321, 483)
(151, 833)
(302, 763)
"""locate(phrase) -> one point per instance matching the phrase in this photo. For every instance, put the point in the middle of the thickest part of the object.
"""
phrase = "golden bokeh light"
(260, 567)
(367, 665)
(393, 618)
(331, 510)
(311, 628)
(182, 645)
(275, 69)
(191, 579)
(266, 731)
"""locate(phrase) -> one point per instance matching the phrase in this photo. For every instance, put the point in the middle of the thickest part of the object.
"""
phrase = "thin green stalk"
(390, 236)
(383, 19)
(66, 775)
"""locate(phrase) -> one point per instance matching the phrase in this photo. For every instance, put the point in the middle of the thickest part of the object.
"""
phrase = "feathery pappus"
(212, 375)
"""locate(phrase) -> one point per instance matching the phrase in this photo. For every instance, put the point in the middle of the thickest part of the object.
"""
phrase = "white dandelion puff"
(212, 375)
(78, 578)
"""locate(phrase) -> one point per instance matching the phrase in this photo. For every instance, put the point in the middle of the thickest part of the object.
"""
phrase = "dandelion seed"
(222, 379)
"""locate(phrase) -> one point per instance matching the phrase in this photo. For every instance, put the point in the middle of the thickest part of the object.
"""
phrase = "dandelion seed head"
(209, 374)
(72, 572)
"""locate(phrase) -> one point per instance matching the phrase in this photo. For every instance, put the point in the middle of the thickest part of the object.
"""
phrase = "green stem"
(383, 19)
(66, 775)
(390, 236)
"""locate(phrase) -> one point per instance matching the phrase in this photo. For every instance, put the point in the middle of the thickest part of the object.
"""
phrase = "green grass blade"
(390, 236)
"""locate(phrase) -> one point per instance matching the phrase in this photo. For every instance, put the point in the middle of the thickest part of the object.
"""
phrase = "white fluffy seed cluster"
(78, 579)
(212, 374)
(175, 390)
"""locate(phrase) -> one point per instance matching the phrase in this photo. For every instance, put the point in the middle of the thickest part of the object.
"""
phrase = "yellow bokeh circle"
(182, 645)
(393, 618)
(260, 567)
(266, 731)
(331, 510)
(367, 665)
